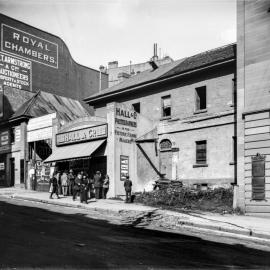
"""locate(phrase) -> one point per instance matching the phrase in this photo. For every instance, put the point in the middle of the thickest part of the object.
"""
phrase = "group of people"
(73, 185)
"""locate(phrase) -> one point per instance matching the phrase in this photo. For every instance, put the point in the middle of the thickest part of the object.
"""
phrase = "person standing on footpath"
(77, 186)
(84, 189)
(98, 185)
(128, 187)
(53, 183)
(71, 181)
(58, 177)
(64, 182)
(105, 187)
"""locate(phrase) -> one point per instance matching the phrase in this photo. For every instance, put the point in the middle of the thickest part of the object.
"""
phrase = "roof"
(193, 63)
(43, 103)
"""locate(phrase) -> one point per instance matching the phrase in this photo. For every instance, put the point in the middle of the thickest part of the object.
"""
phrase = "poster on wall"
(1, 101)
(124, 167)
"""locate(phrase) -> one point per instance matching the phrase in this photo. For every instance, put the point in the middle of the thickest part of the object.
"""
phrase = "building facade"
(191, 103)
(253, 113)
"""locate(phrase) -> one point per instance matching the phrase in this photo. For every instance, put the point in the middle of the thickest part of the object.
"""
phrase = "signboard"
(15, 72)
(82, 135)
(26, 45)
(42, 172)
(1, 101)
(125, 125)
(2, 166)
(258, 177)
(124, 167)
(4, 138)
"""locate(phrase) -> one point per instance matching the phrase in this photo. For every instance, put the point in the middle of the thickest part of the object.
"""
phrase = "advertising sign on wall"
(26, 45)
(15, 72)
(1, 101)
(124, 167)
(82, 135)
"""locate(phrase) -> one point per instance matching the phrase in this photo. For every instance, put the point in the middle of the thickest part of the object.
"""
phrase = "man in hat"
(98, 185)
(127, 186)
(71, 180)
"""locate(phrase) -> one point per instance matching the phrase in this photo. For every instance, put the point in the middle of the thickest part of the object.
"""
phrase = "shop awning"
(74, 151)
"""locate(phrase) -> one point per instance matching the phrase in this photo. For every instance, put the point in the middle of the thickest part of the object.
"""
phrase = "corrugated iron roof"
(44, 103)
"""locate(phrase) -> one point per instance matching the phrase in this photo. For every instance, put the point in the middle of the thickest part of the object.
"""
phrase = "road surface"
(43, 236)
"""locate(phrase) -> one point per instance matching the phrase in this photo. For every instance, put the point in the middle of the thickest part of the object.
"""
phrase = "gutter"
(91, 100)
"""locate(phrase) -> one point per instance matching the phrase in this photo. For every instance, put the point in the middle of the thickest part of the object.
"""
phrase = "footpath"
(249, 228)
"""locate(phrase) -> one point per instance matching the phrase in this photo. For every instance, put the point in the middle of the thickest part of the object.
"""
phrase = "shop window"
(201, 152)
(165, 145)
(200, 97)
(137, 107)
(166, 106)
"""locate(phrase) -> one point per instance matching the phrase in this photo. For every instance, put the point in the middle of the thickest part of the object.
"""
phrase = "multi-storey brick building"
(32, 60)
(191, 105)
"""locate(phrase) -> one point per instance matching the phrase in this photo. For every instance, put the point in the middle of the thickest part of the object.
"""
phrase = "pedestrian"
(71, 181)
(128, 185)
(84, 189)
(53, 183)
(91, 188)
(64, 182)
(58, 177)
(105, 187)
(98, 185)
(77, 186)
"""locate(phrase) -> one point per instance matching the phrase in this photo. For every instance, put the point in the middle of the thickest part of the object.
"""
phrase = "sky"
(99, 31)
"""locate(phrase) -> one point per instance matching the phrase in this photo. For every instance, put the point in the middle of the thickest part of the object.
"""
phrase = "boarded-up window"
(200, 96)
(258, 177)
(165, 145)
(201, 152)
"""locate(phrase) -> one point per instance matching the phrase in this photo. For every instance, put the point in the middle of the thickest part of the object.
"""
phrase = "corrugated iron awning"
(74, 151)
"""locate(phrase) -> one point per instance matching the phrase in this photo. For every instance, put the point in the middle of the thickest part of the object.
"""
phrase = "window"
(200, 97)
(137, 107)
(233, 91)
(12, 135)
(166, 106)
(165, 145)
(201, 152)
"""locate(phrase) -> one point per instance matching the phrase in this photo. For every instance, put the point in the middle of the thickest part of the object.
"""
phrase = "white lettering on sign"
(29, 46)
(86, 134)
(15, 72)
(2, 166)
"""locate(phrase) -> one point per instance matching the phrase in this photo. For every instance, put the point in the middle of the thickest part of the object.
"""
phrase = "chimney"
(155, 56)
(113, 64)
(123, 76)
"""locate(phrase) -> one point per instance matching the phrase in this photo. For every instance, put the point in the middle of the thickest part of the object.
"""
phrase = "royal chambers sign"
(20, 43)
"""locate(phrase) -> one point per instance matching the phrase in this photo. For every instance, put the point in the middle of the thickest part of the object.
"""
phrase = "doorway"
(12, 172)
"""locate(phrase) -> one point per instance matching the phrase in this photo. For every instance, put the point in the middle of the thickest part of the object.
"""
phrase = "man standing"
(77, 186)
(98, 185)
(128, 185)
(71, 180)
(53, 182)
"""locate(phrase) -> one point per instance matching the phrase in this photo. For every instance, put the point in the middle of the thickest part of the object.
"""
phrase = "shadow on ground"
(34, 237)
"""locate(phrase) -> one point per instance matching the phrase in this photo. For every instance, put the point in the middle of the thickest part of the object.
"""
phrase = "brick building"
(253, 112)
(190, 104)
(33, 61)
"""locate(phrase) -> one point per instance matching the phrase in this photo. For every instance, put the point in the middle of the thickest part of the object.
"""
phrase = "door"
(166, 164)
(12, 172)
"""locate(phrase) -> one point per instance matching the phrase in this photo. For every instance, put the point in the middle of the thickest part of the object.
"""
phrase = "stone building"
(253, 111)
(190, 104)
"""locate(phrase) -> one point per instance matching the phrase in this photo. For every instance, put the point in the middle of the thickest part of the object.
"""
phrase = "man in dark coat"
(127, 186)
(98, 185)
(71, 182)
(84, 189)
(77, 186)
(54, 184)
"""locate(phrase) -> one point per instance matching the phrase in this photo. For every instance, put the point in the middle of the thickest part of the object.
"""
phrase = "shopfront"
(83, 149)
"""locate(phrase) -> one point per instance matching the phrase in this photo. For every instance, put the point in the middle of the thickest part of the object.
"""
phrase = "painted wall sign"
(15, 72)
(29, 46)
(1, 101)
(125, 125)
(82, 135)
(4, 138)
(124, 167)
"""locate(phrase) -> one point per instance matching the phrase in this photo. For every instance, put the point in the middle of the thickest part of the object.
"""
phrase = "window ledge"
(165, 118)
(200, 165)
(200, 111)
(232, 163)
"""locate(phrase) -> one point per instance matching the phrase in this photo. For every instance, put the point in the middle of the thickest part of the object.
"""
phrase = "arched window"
(165, 145)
